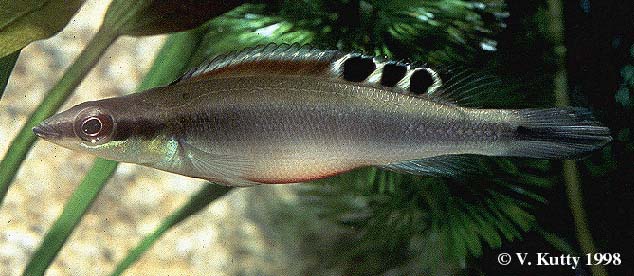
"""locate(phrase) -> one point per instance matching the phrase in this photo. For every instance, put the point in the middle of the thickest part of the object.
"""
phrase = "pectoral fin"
(217, 168)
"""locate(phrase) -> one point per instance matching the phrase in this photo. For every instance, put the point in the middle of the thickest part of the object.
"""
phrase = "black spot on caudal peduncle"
(358, 68)
(420, 81)
(392, 73)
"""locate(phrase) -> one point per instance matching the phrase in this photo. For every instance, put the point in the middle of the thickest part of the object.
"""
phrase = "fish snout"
(46, 131)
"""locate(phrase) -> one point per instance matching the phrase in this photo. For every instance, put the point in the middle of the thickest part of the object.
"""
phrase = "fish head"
(103, 128)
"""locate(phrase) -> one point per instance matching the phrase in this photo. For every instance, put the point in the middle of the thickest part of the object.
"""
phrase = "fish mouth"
(46, 131)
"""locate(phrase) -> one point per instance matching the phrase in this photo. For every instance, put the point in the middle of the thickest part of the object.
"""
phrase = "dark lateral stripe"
(144, 128)
(559, 134)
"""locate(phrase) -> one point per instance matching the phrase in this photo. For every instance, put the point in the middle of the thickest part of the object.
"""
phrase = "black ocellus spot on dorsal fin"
(358, 68)
(393, 73)
(420, 81)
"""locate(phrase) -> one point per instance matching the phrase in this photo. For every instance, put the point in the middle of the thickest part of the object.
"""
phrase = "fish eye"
(95, 126)
(91, 126)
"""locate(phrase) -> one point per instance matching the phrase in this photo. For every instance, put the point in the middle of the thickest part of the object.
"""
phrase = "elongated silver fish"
(286, 114)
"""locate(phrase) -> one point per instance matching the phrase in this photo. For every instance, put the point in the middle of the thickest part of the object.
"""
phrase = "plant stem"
(571, 175)
(54, 99)
(196, 203)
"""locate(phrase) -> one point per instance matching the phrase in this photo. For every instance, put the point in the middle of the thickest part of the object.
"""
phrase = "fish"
(278, 114)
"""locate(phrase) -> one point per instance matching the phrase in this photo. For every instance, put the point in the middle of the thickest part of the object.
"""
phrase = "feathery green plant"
(411, 216)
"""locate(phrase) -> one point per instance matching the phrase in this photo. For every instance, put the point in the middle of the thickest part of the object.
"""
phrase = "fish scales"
(356, 115)
(285, 114)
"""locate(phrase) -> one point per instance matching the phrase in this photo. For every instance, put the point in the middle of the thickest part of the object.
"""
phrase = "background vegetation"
(544, 52)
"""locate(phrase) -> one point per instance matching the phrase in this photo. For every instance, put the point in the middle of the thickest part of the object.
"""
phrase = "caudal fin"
(557, 133)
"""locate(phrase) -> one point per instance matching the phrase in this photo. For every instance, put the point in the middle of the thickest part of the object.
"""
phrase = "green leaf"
(6, 66)
(74, 209)
(471, 234)
(457, 234)
(484, 229)
(23, 142)
(24, 21)
(149, 17)
(173, 59)
(61, 91)
(196, 203)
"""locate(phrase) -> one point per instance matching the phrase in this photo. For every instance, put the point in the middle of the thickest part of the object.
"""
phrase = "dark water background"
(599, 38)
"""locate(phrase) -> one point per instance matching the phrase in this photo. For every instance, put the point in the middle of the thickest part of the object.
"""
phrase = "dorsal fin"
(465, 87)
(267, 59)
(448, 86)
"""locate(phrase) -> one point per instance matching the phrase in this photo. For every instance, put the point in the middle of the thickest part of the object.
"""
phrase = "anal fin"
(236, 182)
(439, 166)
